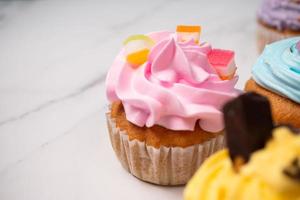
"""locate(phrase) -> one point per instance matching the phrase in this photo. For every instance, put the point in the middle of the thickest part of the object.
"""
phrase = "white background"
(54, 55)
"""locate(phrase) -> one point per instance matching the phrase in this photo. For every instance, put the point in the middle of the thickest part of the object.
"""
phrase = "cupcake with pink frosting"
(277, 19)
(166, 92)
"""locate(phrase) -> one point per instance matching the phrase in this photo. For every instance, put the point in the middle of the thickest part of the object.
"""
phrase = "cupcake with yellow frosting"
(260, 163)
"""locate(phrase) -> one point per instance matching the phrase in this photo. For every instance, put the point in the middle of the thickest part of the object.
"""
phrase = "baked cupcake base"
(267, 35)
(284, 111)
(154, 155)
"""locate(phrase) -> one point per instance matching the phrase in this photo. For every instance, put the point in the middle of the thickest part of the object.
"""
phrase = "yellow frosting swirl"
(261, 178)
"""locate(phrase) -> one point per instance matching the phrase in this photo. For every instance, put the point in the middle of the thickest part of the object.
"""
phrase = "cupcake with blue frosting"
(276, 75)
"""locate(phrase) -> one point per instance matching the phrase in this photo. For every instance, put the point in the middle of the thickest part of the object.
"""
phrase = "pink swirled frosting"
(175, 88)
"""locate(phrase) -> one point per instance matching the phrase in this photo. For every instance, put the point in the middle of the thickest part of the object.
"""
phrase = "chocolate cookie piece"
(293, 170)
(248, 125)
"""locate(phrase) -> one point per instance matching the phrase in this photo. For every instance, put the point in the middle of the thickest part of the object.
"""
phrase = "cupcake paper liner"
(164, 165)
(266, 35)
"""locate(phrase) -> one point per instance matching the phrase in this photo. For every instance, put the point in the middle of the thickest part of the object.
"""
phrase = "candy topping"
(223, 62)
(248, 125)
(137, 48)
(186, 33)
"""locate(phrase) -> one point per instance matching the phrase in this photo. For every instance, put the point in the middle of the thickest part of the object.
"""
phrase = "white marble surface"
(54, 55)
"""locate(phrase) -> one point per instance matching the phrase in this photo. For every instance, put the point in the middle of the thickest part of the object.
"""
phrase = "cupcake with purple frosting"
(277, 19)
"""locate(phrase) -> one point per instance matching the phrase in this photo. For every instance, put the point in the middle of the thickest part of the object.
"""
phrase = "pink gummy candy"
(223, 62)
(220, 57)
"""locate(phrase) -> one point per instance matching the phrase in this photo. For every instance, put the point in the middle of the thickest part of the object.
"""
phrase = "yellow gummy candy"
(138, 58)
(139, 37)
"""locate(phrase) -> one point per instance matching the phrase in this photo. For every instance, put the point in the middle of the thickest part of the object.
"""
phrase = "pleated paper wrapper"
(164, 165)
(266, 35)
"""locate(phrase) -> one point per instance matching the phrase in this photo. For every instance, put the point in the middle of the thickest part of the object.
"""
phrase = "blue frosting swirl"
(278, 69)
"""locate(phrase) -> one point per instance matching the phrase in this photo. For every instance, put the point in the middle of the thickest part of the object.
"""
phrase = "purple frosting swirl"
(280, 14)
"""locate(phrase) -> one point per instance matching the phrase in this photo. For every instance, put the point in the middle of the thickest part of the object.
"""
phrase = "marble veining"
(54, 56)
(50, 102)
